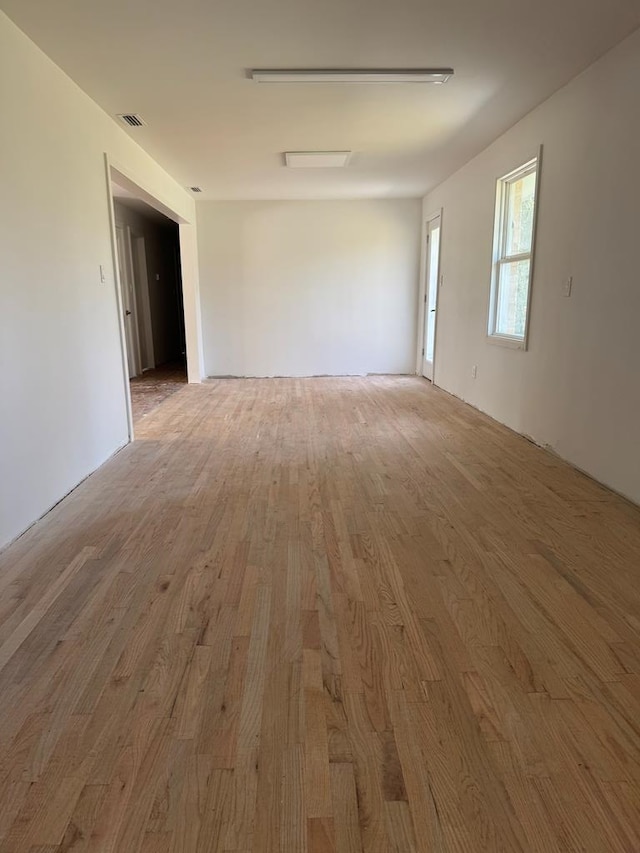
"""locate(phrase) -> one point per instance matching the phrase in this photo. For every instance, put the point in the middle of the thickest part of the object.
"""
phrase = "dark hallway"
(150, 271)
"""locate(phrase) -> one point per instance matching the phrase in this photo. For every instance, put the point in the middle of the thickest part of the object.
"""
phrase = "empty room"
(320, 426)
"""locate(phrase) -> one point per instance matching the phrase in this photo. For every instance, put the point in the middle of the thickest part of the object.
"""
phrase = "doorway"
(432, 283)
(149, 266)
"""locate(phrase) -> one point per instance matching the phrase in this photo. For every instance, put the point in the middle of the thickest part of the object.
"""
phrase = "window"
(513, 244)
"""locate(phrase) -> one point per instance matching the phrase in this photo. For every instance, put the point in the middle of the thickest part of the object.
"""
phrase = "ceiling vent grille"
(131, 119)
(196, 189)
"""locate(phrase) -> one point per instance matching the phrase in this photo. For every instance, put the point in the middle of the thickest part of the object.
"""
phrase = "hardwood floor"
(323, 614)
(154, 387)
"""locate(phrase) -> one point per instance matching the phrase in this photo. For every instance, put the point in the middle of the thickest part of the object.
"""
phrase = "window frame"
(499, 256)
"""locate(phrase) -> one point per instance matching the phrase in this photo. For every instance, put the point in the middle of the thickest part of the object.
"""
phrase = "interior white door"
(431, 295)
(143, 303)
(125, 267)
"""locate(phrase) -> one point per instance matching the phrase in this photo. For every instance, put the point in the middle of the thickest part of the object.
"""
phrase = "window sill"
(510, 343)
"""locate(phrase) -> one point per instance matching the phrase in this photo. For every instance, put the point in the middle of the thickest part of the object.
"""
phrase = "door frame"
(114, 172)
(424, 272)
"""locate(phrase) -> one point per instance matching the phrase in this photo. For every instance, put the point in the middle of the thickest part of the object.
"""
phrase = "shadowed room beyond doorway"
(150, 273)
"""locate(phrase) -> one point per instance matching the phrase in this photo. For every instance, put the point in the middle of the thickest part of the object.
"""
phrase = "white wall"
(62, 392)
(299, 288)
(577, 388)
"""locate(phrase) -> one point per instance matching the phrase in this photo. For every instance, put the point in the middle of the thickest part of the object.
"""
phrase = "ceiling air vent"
(196, 189)
(132, 119)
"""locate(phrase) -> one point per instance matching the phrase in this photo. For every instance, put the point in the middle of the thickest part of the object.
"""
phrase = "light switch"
(103, 277)
(567, 285)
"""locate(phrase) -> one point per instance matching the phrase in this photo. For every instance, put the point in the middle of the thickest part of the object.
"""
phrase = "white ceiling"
(183, 64)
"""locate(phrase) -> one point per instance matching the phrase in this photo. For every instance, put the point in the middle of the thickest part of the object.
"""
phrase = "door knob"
(127, 313)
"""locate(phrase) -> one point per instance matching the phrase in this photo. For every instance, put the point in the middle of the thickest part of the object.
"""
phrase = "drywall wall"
(63, 396)
(577, 388)
(162, 247)
(294, 288)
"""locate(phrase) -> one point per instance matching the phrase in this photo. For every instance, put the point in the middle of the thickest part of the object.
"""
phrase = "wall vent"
(132, 119)
(196, 189)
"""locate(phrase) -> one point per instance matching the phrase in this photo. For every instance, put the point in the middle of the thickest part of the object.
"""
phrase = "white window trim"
(499, 258)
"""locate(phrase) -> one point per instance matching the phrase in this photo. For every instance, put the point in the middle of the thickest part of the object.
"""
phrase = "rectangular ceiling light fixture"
(351, 75)
(316, 159)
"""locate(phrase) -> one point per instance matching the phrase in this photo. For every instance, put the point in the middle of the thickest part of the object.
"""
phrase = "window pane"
(511, 307)
(521, 196)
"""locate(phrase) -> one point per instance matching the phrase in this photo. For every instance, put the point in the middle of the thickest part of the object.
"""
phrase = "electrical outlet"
(567, 285)
(474, 371)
